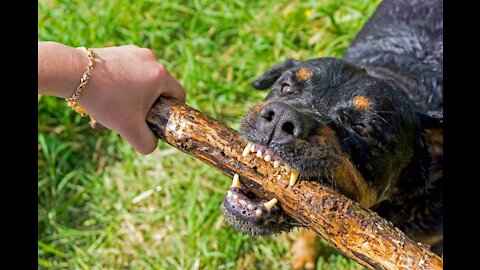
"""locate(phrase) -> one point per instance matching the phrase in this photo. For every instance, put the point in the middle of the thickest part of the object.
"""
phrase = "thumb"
(141, 138)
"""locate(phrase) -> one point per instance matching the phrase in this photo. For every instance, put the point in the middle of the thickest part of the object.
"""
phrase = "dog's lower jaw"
(253, 216)
(253, 229)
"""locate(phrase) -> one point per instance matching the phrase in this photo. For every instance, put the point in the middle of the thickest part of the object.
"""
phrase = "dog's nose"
(281, 122)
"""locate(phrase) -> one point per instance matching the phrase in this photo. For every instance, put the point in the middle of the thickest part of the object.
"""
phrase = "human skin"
(123, 85)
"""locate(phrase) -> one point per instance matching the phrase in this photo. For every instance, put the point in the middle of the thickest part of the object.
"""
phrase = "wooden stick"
(358, 233)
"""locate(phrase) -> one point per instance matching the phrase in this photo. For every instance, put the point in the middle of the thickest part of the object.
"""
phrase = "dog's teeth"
(236, 181)
(276, 164)
(258, 213)
(229, 193)
(250, 207)
(293, 177)
(252, 148)
(259, 153)
(287, 168)
(242, 202)
(235, 196)
(270, 204)
(267, 158)
(246, 151)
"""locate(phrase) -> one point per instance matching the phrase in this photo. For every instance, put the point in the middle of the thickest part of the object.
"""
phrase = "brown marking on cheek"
(361, 103)
(303, 74)
(326, 131)
(345, 174)
(326, 135)
(351, 181)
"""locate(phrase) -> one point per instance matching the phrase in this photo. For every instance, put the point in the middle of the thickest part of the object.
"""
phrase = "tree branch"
(358, 233)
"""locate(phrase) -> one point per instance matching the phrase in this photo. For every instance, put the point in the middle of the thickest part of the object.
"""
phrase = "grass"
(103, 206)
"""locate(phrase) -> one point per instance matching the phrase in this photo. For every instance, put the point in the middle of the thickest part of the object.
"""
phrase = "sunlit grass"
(103, 206)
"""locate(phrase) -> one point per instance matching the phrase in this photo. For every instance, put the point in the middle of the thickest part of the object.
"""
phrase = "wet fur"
(395, 64)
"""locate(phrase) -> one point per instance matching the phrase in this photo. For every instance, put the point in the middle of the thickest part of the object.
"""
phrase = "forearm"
(123, 85)
(59, 69)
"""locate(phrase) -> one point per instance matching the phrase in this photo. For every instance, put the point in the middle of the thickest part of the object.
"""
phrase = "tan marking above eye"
(361, 102)
(303, 74)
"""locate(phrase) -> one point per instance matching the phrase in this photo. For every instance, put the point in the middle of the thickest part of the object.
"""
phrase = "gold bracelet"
(83, 81)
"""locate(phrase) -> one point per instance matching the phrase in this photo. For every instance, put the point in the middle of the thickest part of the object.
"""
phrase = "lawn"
(103, 206)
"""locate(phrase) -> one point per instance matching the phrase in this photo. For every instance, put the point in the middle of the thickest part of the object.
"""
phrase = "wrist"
(59, 69)
(77, 94)
(94, 97)
(80, 63)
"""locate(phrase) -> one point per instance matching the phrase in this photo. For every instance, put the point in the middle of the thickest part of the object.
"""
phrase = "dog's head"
(333, 122)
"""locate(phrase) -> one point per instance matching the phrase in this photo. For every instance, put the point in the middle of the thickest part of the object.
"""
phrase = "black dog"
(369, 124)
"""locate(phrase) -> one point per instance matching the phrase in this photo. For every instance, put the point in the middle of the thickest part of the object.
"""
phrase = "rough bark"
(358, 233)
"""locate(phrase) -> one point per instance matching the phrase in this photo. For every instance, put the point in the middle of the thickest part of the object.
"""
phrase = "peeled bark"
(358, 233)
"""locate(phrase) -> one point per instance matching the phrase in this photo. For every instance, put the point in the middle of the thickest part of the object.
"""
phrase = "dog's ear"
(271, 75)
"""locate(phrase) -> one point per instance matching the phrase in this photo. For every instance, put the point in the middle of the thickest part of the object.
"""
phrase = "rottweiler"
(369, 124)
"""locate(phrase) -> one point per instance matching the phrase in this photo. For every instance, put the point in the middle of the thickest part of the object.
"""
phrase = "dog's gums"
(254, 216)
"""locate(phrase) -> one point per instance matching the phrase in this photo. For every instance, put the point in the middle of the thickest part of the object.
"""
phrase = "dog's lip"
(283, 170)
(267, 154)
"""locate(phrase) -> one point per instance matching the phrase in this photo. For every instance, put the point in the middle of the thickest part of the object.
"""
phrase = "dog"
(369, 124)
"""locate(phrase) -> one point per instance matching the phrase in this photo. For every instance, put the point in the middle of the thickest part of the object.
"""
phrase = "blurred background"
(103, 206)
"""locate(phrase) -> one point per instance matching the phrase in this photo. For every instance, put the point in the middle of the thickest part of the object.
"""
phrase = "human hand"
(123, 86)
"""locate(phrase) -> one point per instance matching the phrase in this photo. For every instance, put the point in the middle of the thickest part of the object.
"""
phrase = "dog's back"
(403, 40)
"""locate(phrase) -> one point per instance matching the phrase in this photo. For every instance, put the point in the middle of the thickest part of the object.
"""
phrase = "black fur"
(396, 64)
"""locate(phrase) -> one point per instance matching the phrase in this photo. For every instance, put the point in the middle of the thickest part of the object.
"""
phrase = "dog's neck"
(426, 166)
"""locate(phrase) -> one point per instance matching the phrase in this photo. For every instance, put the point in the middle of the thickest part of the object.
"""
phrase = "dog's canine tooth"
(242, 202)
(258, 213)
(276, 164)
(252, 148)
(259, 153)
(250, 207)
(236, 181)
(293, 178)
(267, 158)
(287, 168)
(246, 151)
(270, 204)
(229, 193)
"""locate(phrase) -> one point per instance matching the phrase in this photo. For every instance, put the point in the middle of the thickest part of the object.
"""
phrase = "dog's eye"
(360, 129)
(286, 88)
